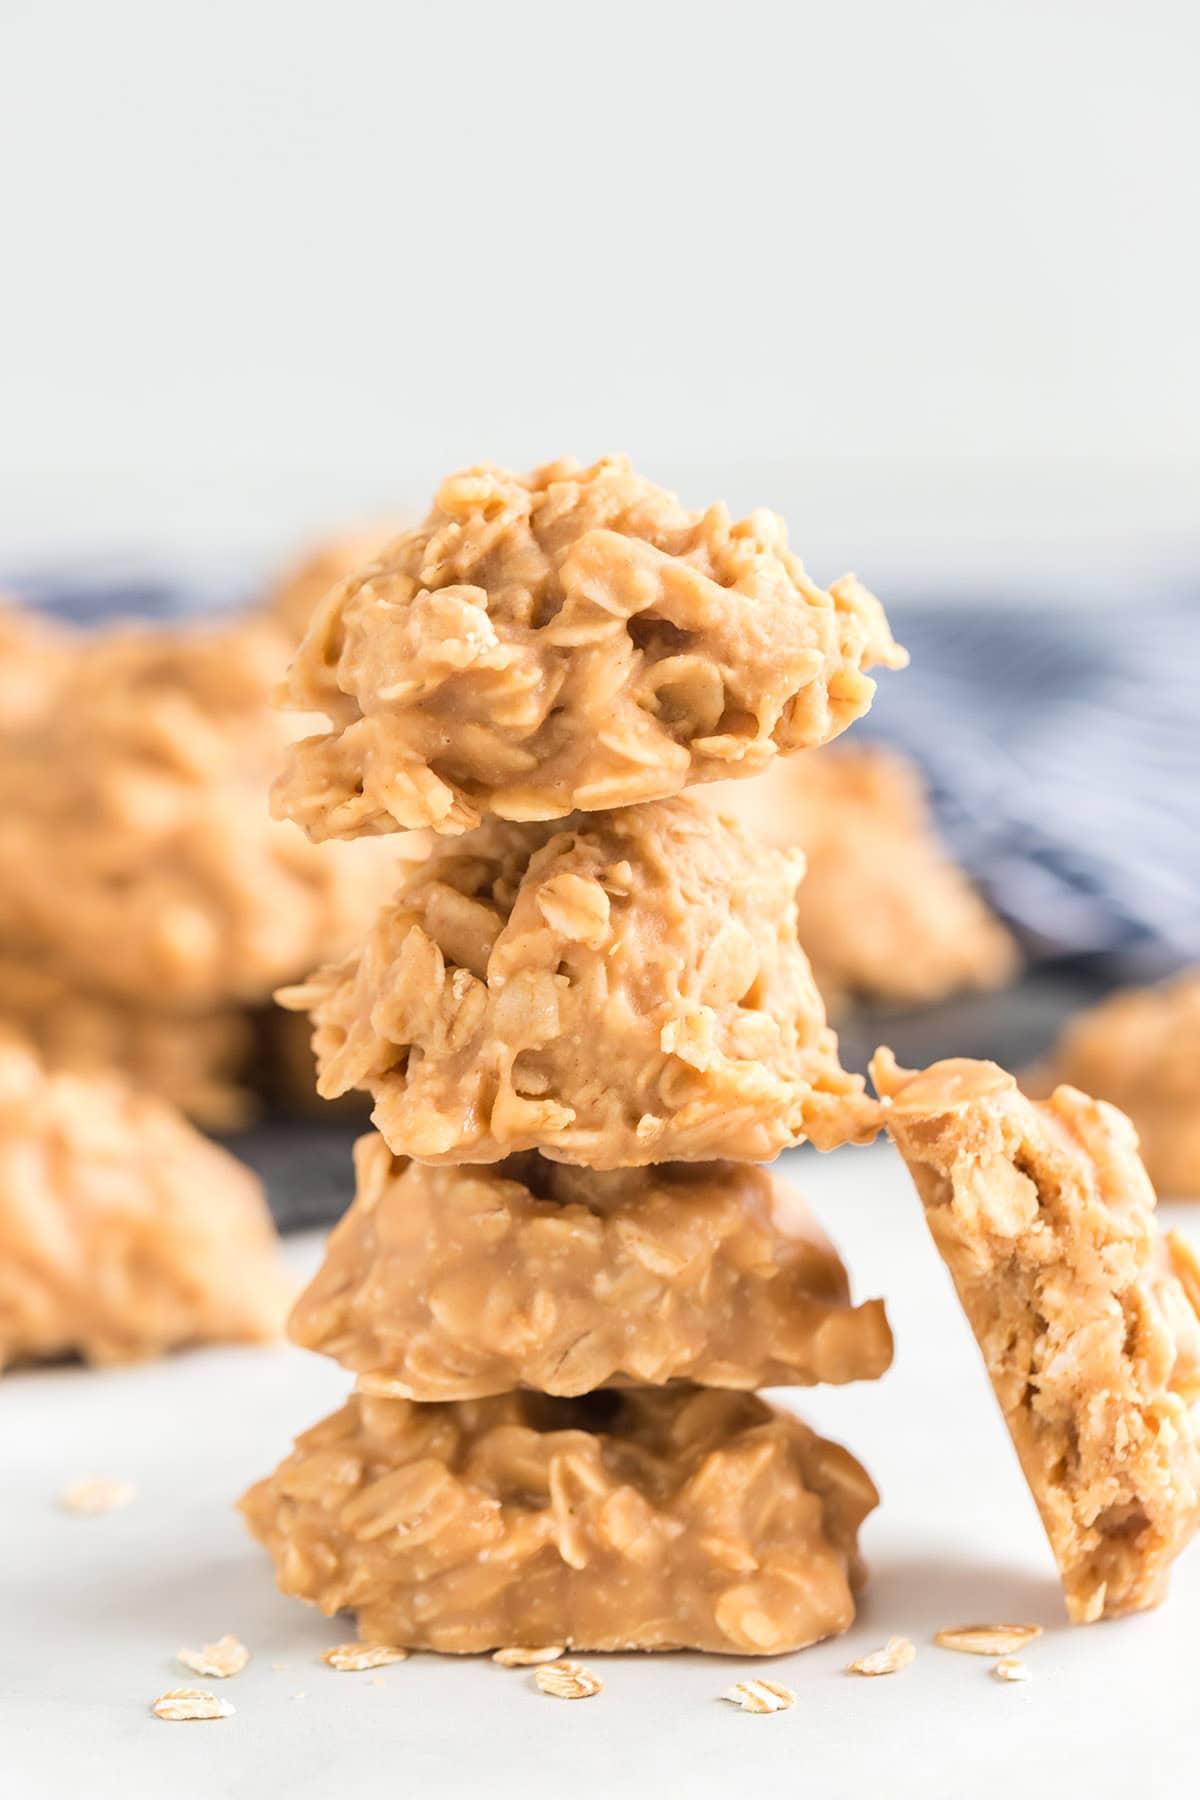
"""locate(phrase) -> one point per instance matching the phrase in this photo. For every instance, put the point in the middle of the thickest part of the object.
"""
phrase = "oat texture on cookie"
(619, 988)
(574, 639)
(1085, 1314)
(583, 1019)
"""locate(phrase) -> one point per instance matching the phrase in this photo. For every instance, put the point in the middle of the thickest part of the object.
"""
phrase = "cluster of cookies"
(584, 1020)
(149, 905)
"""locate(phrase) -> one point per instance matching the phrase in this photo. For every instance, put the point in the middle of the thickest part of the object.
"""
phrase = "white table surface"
(93, 1609)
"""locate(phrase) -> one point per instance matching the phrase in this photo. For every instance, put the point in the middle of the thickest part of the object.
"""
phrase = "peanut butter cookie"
(453, 1283)
(123, 1233)
(574, 639)
(1086, 1317)
(624, 989)
(639, 1520)
(1140, 1049)
(883, 912)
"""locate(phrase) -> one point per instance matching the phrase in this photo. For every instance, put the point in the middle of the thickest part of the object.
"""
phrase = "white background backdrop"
(926, 275)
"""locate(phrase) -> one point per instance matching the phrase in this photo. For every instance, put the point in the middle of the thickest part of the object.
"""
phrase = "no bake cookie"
(137, 856)
(625, 989)
(883, 912)
(1140, 1049)
(1085, 1315)
(638, 1520)
(123, 1233)
(453, 1283)
(199, 1062)
(574, 639)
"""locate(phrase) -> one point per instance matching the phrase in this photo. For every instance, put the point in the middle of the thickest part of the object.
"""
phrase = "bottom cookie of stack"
(640, 1519)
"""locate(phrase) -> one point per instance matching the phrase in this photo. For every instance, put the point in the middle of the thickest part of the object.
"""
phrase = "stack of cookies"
(585, 1020)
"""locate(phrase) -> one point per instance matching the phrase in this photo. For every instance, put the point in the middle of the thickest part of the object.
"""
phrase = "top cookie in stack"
(571, 640)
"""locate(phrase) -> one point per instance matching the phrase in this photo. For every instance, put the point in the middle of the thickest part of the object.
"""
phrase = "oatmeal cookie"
(626, 989)
(883, 912)
(136, 851)
(196, 1061)
(639, 1520)
(123, 1233)
(454, 1283)
(1140, 1049)
(574, 639)
(1085, 1316)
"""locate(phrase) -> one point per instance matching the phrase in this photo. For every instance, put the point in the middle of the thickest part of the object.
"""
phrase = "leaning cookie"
(574, 639)
(636, 1520)
(1085, 1315)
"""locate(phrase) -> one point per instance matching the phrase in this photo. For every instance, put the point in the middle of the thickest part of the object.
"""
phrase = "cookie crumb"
(96, 1494)
(759, 1696)
(228, 1656)
(514, 1656)
(896, 1654)
(567, 1681)
(181, 1703)
(986, 1640)
(1010, 1668)
(362, 1656)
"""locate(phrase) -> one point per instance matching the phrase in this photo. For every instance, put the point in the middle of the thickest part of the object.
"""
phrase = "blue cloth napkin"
(1061, 743)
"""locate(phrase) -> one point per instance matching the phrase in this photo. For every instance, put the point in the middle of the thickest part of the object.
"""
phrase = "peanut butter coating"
(574, 639)
(453, 1283)
(640, 1520)
(624, 989)
(123, 1233)
(1085, 1315)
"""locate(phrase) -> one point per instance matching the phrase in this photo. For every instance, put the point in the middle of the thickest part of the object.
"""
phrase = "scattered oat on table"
(515, 1656)
(362, 1656)
(96, 1494)
(1010, 1668)
(228, 1656)
(181, 1703)
(760, 1696)
(567, 1681)
(896, 1654)
(986, 1640)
